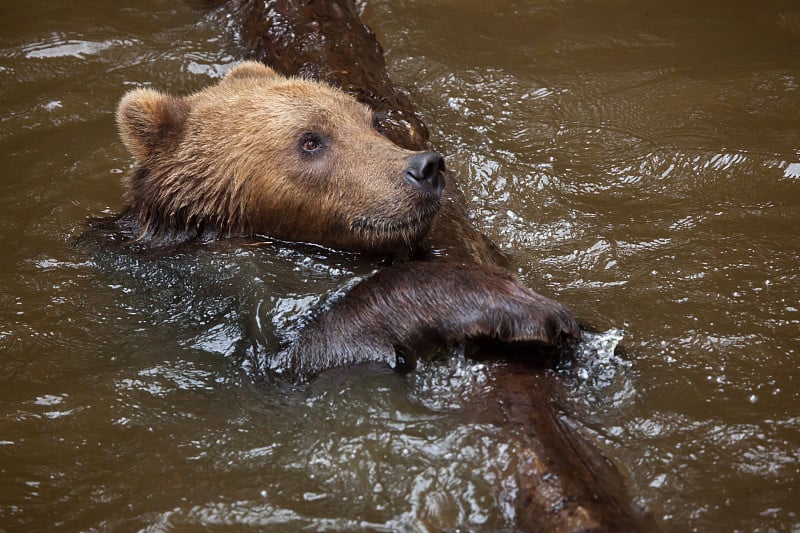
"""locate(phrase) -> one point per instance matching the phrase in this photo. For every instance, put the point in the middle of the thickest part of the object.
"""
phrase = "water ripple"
(59, 47)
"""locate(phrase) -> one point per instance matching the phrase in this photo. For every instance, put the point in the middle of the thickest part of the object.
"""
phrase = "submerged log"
(566, 483)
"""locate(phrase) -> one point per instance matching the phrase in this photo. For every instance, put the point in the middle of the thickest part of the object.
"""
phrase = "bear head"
(262, 154)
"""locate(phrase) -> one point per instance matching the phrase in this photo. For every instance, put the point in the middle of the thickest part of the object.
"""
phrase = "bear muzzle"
(425, 173)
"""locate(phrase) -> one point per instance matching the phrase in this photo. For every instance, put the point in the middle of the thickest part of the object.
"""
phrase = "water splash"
(445, 385)
(596, 360)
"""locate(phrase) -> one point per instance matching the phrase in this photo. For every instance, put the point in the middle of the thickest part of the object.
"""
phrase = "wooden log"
(566, 482)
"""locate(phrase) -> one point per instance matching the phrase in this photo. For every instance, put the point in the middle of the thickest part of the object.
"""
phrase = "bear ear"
(150, 121)
(250, 69)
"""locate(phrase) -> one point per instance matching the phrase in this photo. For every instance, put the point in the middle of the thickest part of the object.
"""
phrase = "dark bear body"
(406, 312)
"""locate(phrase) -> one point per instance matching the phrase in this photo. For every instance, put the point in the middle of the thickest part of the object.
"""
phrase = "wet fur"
(408, 311)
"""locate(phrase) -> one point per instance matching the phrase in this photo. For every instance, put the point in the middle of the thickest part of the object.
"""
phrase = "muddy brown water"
(639, 160)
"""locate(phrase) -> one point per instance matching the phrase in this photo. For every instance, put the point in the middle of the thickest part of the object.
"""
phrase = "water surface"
(639, 160)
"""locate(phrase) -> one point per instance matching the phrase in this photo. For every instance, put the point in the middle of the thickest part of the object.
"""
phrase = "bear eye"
(310, 143)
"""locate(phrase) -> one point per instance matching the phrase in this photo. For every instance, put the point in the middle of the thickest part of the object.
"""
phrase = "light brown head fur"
(259, 153)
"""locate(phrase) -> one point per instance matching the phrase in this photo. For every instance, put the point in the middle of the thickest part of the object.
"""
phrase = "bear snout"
(425, 173)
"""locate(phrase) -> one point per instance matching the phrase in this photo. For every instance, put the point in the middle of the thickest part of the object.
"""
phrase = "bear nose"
(426, 173)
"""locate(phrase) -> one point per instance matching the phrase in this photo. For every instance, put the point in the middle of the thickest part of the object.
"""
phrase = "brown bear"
(297, 160)
(260, 153)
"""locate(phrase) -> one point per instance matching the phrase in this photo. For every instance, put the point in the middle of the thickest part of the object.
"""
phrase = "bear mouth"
(380, 230)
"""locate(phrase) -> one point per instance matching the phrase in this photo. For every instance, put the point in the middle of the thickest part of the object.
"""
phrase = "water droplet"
(658, 481)
(792, 171)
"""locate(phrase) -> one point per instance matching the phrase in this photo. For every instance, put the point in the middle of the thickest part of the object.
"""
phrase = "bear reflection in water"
(259, 154)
